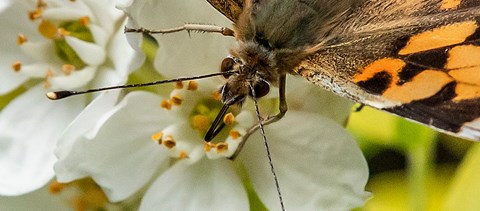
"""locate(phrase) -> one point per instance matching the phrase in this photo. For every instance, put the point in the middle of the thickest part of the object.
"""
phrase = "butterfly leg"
(271, 119)
(187, 27)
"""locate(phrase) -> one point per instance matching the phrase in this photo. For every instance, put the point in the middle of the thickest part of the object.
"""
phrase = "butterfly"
(419, 59)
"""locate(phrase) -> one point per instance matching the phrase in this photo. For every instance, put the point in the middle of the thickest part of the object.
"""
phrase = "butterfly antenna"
(66, 93)
(267, 148)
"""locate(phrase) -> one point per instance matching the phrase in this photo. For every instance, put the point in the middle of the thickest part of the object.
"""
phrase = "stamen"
(166, 104)
(47, 29)
(234, 134)
(56, 187)
(229, 119)
(21, 39)
(176, 100)
(178, 85)
(35, 14)
(157, 137)
(17, 66)
(222, 147)
(192, 85)
(183, 155)
(208, 146)
(169, 142)
(84, 21)
(61, 32)
(201, 122)
(217, 95)
(68, 69)
(48, 75)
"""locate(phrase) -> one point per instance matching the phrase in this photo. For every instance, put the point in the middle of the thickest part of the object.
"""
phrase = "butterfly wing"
(419, 59)
(230, 8)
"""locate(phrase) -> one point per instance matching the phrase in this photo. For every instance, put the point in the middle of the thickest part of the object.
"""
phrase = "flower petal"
(90, 53)
(12, 24)
(85, 121)
(305, 96)
(75, 80)
(206, 185)
(174, 57)
(319, 165)
(31, 125)
(119, 147)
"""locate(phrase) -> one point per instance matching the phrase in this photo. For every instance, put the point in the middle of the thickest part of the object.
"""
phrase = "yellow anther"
(222, 147)
(208, 146)
(21, 39)
(176, 100)
(201, 122)
(68, 69)
(182, 155)
(56, 187)
(166, 104)
(17, 66)
(217, 95)
(234, 134)
(178, 85)
(84, 21)
(169, 142)
(47, 29)
(229, 119)
(157, 137)
(35, 14)
(192, 85)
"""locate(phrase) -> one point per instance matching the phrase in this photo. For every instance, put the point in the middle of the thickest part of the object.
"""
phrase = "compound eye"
(227, 65)
(261, 89)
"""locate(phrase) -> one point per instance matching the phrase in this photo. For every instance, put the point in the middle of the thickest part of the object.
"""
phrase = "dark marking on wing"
(377, 84)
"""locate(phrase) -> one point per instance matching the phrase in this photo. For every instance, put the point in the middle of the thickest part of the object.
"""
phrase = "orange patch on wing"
(467, 75)
(424, 85)
(466, 92)
(439, 37)
(389, 65)
(450, 4)
(464, 64)
(463, 56)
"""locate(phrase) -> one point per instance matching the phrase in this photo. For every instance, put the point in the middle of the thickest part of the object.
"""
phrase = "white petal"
(75, 80)
(305, 96)
(99, 35)
(206, 185)
(118, 153)
(85, 121)
(64, 13)
(319, 165)
(180, 54)
(105, 13)
(12, 24)
(90, 53)
(124, 58)
(30, 127)
(41, 51)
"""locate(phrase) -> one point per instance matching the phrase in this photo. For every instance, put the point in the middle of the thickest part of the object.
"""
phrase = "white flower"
(51, 45)
(319, 166)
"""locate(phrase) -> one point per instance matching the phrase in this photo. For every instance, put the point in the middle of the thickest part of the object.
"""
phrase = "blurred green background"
(413, 167)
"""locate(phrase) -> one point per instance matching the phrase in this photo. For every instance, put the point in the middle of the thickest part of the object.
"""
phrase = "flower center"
(204, 108)
(56, 31)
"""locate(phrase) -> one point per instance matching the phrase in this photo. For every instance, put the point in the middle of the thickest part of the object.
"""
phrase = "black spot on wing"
(418, 62)
(440, 111)
(377, 84)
